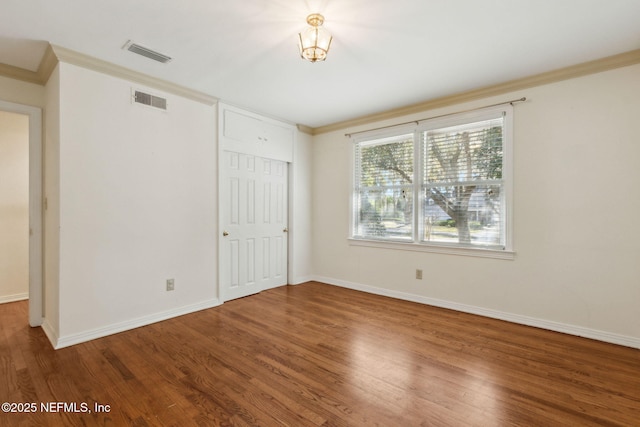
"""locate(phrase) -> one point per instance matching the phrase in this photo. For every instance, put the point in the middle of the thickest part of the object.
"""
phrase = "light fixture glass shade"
(314, 42)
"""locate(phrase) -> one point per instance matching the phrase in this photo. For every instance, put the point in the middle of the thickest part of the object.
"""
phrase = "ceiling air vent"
(146, 52)
(150, 100)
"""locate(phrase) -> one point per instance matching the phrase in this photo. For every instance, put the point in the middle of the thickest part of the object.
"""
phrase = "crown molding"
(47, 65)
(566, 73)
(18, 73)
(55, 54)
(39, 77)
(91, 63)
(305, 129)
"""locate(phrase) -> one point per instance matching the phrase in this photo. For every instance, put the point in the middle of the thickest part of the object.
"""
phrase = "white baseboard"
(300, 280)
(69, 340)
(494, 314)
(50, 332)
(15, 297)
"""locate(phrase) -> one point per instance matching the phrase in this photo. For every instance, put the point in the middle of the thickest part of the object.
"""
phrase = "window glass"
(447, 183)
(462, 184)
(384, 188)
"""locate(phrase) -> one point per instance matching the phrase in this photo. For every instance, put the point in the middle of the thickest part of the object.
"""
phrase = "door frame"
(36, 312)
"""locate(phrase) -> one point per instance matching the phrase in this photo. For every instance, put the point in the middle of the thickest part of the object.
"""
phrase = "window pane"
(385, 213)
(463, 153)
(384, 188)
(387, 163)
(468, 215)
(462, 184)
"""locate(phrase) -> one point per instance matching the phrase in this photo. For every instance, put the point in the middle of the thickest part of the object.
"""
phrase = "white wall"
(51, 192)
(14, 206)
(300, 270)
(576, 232)
(137, 206)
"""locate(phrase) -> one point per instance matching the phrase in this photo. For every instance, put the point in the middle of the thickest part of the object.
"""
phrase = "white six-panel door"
(254, 224)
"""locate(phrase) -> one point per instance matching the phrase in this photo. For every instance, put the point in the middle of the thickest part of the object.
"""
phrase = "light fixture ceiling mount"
(314, 42)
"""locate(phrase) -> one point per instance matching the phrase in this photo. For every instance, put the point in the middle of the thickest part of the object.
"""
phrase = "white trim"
(13, 298)
(579, 331)
(81, 60)
(352, 188)
(290, 219)
(508, 176)
(300, 280)
(35, 207)
(50, 332)
(438, 249)
(69, 340)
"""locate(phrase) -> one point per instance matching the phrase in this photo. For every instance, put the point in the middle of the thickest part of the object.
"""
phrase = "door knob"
(285, 230)
(225, 234)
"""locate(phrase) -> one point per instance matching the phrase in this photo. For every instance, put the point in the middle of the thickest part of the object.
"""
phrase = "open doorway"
(21, 207)
(14, 206)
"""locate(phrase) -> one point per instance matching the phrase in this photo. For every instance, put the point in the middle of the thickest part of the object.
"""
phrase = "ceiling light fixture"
(314, 41)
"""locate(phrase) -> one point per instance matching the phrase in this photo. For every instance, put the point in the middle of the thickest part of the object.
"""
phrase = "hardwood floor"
(318, 355)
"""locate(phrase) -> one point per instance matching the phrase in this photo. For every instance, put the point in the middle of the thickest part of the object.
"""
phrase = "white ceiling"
(385, 53)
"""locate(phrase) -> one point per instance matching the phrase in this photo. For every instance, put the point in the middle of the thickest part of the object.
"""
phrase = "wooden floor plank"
(318, 355)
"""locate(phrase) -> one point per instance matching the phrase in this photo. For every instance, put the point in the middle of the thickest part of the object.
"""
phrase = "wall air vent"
(150, 100)
(146, 52)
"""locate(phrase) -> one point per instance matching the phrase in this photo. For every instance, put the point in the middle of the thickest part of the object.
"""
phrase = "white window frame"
(416, 128)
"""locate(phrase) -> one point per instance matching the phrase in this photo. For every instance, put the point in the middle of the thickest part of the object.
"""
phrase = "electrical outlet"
(419, 274)
(170, 285)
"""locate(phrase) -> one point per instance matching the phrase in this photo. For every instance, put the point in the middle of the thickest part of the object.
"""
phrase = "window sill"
(440, 249)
